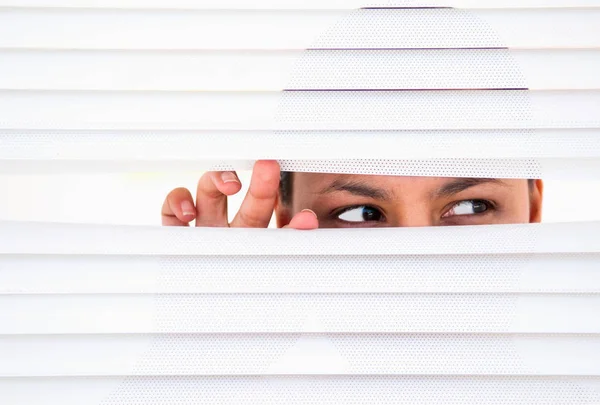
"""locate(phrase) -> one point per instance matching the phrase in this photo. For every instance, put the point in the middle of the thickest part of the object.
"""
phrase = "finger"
(305, 219)
(257, 208)
(211, 197)
(178, 208)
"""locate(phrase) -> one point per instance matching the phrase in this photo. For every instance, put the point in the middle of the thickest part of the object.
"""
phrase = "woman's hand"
(210, 209)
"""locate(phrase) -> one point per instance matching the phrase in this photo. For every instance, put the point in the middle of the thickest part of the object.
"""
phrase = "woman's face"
(344, 201)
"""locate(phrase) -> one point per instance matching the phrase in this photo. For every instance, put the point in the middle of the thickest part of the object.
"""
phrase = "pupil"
(371, 214)
(479, 206)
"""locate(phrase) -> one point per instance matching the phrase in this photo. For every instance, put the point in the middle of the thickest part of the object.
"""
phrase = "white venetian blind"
(145, 315)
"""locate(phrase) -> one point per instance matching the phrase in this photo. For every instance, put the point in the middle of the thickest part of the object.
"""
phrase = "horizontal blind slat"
(348, 110)
(322, 69)
(48, 238)
(64, 274)
(360, 390)
(298, 313)
(532, 168)
(295, 4)
(296, 354)
(219, 29)
(199, 145)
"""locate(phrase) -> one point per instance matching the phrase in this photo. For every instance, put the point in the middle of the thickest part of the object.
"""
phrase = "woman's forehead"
(314, 180)
(389, 188)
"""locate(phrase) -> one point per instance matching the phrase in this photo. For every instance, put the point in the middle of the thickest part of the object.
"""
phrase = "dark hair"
(287, 178)
(285, 187)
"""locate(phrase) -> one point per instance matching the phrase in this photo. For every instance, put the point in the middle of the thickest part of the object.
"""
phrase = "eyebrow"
(458, 185)
(357, 188)
(365, 190)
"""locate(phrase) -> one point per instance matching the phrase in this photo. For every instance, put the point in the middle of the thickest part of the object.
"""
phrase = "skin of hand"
(210, 209)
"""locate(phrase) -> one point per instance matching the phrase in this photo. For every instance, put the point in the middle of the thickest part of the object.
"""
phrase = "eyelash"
(337, 213)
(490, 206)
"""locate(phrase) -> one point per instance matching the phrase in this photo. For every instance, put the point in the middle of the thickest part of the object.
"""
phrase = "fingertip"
(267, 170)
(187, 211)
(227, 182)
(305, 220)
(265, 179)
(178, 208)
(229, 177)
(266, 163)
(230, 187)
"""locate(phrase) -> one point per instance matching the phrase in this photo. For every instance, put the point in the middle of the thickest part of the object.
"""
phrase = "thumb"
(305, 219)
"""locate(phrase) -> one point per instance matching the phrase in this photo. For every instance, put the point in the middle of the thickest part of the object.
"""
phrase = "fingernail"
(311, 211)
(187, 208)
(229, 177)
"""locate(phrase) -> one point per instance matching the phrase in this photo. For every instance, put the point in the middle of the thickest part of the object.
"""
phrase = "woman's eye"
(467, 207)
(361, 214)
